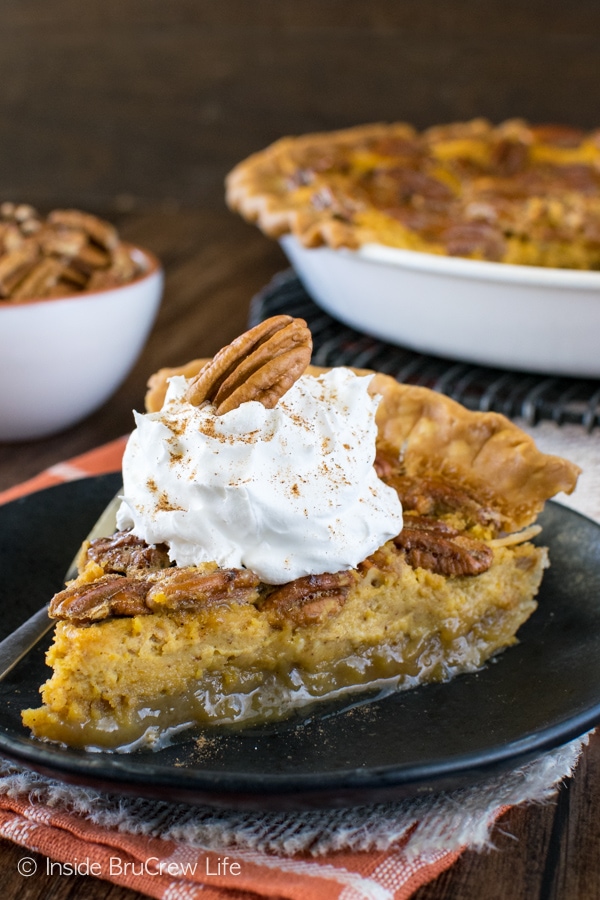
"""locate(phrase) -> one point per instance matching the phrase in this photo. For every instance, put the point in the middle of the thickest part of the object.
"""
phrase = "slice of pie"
(146, 644)
(513, 193)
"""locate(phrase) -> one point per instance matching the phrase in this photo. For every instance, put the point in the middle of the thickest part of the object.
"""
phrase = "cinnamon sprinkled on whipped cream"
(286, 492)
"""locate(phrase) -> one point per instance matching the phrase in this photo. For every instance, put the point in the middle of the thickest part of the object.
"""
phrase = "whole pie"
(512, 193)
(145, 645)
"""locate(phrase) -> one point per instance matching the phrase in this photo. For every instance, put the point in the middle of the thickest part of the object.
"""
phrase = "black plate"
(535, 696)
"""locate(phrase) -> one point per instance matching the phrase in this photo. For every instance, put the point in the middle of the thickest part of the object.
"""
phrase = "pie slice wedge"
(144, 648)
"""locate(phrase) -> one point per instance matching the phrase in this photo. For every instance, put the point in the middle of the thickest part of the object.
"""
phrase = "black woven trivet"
(516, 394)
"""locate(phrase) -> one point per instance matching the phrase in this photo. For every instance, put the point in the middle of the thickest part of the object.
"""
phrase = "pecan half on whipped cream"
(261, 364)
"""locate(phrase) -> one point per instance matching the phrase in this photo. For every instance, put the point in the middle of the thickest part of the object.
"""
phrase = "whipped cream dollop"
(285, 492)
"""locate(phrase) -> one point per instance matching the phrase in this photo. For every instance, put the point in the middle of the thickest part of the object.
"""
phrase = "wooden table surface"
(214, 264)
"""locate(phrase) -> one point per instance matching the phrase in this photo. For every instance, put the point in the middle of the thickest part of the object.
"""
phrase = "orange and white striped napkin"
(99, 461)
(176, 852)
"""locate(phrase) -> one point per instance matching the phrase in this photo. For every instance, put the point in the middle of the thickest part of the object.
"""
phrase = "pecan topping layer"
(434, 496)
(436, 546)
(393, 185)
(310, 599)
(261, 364)
(427, 541)
(173, 589)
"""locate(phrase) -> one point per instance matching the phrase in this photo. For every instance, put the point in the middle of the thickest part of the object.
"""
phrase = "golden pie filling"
(144, 647)
(124, 679)
(513, 193)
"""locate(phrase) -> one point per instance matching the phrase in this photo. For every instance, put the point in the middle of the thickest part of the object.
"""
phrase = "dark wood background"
(113, 103)
(136, 109)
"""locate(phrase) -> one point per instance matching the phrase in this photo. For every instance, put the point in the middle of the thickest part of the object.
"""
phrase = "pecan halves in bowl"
(65, 253)
(261, 364)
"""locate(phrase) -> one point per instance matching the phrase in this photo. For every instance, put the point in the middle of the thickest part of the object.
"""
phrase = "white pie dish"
(494, 314)
(62, 358)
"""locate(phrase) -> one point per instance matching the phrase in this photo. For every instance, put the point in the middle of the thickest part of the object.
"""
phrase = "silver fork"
(25, 637)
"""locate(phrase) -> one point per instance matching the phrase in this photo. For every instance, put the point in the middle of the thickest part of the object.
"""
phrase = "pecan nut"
(436, 496)
(439, 548)
(121, 269)
(261, 364)
(67, 252)
(15, 265)
(40, 280)
(189, 588)
(123, 552)
(110, 595)
(170, 589)
(102, 233)
(311, 599)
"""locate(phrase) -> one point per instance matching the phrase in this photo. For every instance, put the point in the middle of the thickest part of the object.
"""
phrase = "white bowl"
(62, 358)
(514, 317)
